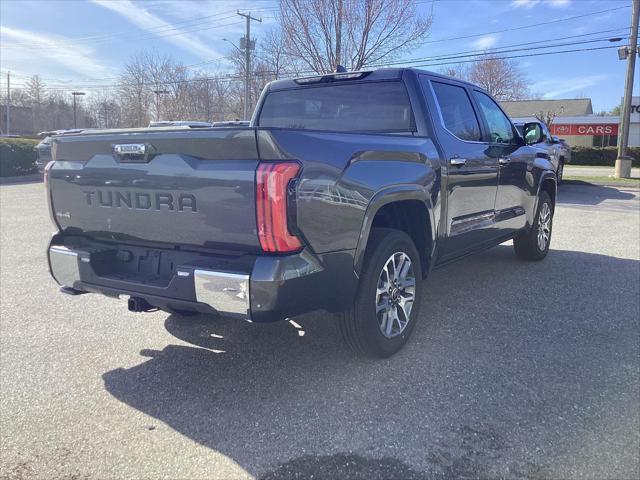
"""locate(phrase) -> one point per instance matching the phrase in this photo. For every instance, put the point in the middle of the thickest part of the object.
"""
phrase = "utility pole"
(338, 36)
(75, 115)
(8, 103)
(248, 46)
(159, 92)
(208, 103)
(623, 162)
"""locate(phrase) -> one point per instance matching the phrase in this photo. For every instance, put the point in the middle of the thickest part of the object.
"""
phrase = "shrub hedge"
(17, 156)
(601, 156)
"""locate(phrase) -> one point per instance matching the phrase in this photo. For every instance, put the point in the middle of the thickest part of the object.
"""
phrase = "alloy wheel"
(544, 226)
(395, 294)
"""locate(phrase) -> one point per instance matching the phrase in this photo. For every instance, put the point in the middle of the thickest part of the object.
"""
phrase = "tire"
(560, 171)
(362, 326)
(529, 245)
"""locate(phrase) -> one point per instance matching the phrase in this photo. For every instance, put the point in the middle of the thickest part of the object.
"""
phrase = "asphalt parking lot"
(515, 370)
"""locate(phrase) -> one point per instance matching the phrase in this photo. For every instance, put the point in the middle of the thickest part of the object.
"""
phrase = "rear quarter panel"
(343, 172)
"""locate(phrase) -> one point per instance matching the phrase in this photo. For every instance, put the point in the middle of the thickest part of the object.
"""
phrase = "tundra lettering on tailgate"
(140, 200)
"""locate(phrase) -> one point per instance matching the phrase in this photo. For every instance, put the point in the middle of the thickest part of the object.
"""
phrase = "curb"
(31, 178)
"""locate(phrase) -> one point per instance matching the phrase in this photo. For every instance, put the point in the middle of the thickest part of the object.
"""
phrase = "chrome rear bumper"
(224, 292)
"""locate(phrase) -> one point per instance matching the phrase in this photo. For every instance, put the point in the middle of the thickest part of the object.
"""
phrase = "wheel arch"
(548, 183)
(415, 216)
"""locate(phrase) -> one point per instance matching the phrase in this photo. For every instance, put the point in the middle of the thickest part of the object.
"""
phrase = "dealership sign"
(588, 129)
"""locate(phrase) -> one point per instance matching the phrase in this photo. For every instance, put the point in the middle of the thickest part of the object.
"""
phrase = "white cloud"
(524, 3)
(559, 3)
(529, 4)
(147, 21)
(561, 86)
(22, 49)
(485, 42)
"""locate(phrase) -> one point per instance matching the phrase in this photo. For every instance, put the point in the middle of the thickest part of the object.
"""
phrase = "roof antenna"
(340, 69)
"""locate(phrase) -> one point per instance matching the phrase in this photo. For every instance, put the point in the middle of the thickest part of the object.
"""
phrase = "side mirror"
(532, 133)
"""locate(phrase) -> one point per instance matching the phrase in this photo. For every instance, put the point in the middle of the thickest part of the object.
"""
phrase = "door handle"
(457, 162)
(504, 160)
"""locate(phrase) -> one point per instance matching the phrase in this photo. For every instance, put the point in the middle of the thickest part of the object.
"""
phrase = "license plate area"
(137, 264)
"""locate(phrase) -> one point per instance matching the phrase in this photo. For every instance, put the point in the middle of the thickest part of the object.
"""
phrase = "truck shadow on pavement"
(583, 193)
(510, 364)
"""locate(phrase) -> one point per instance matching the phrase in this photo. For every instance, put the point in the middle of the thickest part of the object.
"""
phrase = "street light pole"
(75, 115)
(623, 162)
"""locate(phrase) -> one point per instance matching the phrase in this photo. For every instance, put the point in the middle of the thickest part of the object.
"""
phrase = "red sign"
(589, 129)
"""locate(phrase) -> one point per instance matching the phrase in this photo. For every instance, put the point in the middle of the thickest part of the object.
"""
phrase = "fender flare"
(395, 193)
(546, 174)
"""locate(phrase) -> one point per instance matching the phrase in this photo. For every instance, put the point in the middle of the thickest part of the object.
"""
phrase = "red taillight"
(272, 181)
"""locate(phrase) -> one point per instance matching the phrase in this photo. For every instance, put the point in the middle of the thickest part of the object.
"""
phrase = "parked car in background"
(559, 151)
(565, 149)
(43, 153)
(43, 149)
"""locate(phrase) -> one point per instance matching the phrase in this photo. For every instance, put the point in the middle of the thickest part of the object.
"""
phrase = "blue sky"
(75, 43)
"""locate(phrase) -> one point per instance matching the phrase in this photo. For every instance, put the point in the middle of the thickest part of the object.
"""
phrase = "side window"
(500, 127)
(457, 112)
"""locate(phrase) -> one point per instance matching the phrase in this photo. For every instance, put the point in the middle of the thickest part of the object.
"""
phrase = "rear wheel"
(386, 307)
(534, 243)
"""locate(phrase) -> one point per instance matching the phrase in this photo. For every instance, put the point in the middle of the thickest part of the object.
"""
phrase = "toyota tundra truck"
(342, 194)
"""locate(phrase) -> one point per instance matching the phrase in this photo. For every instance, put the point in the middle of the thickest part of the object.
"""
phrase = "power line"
(153, 32)
(269, 73)
(528, 26)
(522, 56)
(74, 41)
(622, 31)
(501, 50)
(123, 37)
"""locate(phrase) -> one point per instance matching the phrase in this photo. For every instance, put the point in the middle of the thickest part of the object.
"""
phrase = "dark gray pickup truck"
(342, 194)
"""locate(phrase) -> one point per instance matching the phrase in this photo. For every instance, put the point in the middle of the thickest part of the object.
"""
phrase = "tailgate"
(188, 188)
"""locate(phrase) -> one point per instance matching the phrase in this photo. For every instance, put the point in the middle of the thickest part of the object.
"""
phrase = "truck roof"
(367, 75)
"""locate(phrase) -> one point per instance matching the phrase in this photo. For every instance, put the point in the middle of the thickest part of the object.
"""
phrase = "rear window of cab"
(379, 107)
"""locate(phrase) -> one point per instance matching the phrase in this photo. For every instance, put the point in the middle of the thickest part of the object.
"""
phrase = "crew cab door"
(471, 174)
(508, 149)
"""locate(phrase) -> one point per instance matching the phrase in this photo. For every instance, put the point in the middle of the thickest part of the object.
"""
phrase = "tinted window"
(499, 125)
(364, 107)
(457, 113)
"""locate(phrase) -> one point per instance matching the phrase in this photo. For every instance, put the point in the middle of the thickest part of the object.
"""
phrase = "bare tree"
(135, 95)
(547, 116)
(57, 111)
(272, 52)
(459, 70)
(500, 77)
(321, 34)
(35, 90)
(105, 109)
